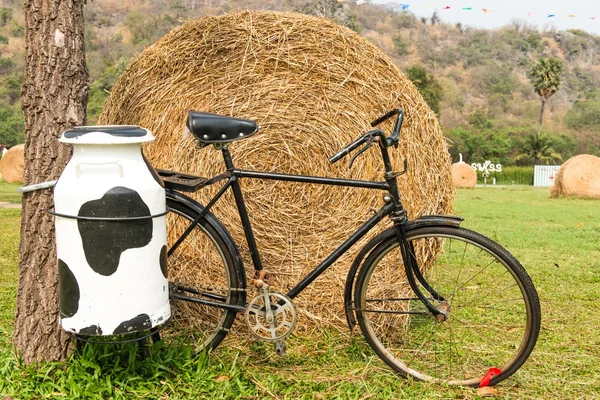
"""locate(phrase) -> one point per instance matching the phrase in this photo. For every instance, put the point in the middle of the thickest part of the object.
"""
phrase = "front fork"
(413, 272)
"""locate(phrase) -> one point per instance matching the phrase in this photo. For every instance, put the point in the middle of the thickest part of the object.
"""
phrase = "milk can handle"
(118, 164)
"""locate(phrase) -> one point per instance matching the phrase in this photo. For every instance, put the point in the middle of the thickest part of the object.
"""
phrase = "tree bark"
(54, 96)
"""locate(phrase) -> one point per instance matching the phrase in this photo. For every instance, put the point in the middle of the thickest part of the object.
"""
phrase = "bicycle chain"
(215, 289)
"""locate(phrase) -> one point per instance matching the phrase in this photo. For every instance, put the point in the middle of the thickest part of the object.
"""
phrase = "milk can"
(109, 207)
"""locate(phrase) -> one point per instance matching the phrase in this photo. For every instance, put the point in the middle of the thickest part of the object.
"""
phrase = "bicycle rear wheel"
(201, 268)
(493, 308)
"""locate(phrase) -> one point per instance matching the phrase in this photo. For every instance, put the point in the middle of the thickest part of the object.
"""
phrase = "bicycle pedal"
(260, 279)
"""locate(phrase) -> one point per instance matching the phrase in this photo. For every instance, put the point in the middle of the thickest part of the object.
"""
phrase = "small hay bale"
(463, 175)
(12, 164)
(313, 86)
(579, 176)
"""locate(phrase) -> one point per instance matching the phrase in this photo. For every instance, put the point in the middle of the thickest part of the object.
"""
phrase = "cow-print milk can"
(109, 207)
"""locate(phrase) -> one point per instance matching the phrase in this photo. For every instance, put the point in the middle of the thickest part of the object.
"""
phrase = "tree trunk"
(54, 96)
(541, 116)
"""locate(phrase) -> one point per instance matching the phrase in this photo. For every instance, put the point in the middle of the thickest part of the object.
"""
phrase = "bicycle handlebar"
(346, 150)
(392, 140)
(386, 116)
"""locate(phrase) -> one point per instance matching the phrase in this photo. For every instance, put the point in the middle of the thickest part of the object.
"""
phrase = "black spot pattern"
(140, 323)
(92, 330)
(163, 261)
(69, 290)
(105, 241)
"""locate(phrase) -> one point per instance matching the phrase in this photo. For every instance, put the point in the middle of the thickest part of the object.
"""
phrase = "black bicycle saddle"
(212, 128)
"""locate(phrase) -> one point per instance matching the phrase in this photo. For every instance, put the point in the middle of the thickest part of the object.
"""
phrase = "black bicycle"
(436, 302)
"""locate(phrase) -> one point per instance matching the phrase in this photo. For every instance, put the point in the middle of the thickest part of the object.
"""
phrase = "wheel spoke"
(202, 273)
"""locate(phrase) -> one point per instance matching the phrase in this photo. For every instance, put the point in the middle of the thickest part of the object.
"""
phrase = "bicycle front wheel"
(493, 311)
(203, 279)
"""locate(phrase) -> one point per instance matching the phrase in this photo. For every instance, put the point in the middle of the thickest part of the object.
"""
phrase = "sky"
(567, 14)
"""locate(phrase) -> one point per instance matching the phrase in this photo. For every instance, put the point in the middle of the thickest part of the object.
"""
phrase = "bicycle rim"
(493, 309)
(201, 268)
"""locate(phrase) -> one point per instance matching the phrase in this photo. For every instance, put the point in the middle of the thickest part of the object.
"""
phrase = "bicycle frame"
(393, 208)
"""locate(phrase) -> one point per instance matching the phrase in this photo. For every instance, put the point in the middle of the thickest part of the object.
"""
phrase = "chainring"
(284, 317)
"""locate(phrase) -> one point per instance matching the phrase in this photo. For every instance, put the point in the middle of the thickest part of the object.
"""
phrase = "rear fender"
(427, 220)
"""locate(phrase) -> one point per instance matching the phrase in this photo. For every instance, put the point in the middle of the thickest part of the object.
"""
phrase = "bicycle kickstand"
(280, 347)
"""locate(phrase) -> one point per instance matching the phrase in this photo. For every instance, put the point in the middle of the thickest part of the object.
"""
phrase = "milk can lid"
(107, 134)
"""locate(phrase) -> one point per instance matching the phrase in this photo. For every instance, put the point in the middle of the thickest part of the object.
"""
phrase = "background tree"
(331, 9)
(539, 149)
(429, 87)
(479, 120)
(11, 126)
(400, 47)
(545, 76)
(585, 115)
(54, 95)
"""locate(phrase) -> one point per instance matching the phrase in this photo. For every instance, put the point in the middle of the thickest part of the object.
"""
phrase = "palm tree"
(539, 148)
(545, 77)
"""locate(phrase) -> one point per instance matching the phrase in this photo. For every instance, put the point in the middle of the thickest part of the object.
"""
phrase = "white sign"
(487, 167)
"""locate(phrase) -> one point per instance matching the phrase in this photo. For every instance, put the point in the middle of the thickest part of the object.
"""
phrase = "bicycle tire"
(204, 267)
(498, 329)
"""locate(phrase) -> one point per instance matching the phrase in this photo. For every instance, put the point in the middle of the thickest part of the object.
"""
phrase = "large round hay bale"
(12, 164)
(313, 86)
(579, 176)
(463, 175)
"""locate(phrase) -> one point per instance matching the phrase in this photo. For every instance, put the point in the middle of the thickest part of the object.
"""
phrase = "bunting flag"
(405, 6)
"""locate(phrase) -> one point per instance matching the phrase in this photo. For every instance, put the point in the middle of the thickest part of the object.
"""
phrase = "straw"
(313, 86)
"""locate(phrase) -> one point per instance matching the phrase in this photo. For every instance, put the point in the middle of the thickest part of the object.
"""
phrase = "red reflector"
(492, 372)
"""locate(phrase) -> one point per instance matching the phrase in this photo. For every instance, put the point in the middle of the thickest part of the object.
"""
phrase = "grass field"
(8, 192)
(558, 242)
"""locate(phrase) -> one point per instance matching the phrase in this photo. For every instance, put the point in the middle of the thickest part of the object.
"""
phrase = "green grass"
(558, 242)
(8, 192)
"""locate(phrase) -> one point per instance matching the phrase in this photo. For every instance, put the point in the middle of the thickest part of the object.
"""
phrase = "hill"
(475, 79)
